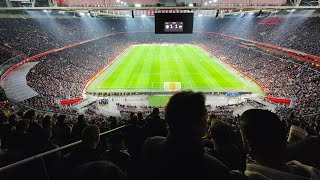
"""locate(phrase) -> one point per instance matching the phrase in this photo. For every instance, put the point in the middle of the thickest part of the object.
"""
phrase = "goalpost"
(172, 86)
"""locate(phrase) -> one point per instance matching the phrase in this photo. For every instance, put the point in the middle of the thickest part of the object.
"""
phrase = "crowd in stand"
(4, 55)
(63, 74)
(188, 143)
(296, 80)
(135, 153)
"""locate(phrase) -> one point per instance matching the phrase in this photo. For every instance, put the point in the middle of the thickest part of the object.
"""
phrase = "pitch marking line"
(134, 75)
(214, 84)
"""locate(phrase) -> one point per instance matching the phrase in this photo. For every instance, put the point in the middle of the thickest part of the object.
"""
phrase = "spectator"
(97, 170)
(181, 156)
(134, 137)
(155, 126)
(265, 139)
(116, 153)
(224, 148)
(87, 151)
(78, 128)
(62, 131)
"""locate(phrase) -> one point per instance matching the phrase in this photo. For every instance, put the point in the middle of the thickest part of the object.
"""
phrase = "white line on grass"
(131, 80)
(214, 84)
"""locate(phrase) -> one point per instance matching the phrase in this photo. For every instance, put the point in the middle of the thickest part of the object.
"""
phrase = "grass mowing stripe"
(145, 68)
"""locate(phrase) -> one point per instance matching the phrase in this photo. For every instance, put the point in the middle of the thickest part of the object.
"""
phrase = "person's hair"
(133, 120)
(81, 119)
(90, 135)
(61, 118)
(132, 114)
(22, 125)
(140, 116)
(264, 134)
(185, 109)
(46, 120)
(12, 118)
(221, 132)
(155, 111)
(29, 114)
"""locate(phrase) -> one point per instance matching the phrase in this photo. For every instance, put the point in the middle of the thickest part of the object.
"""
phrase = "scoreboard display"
(173, 23)
(173, 27)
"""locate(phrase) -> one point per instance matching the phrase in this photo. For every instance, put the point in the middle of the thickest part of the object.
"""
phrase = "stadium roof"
(237, 7)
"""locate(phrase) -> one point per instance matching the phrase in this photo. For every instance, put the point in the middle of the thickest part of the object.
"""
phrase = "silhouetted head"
(140, 116)
(30, 114)
(133, 120)
(155, 111)
(61, 119)
(264, 136)
(46, 122)
(186, 114)
(81, 119)
(90, 136)
(221, 132)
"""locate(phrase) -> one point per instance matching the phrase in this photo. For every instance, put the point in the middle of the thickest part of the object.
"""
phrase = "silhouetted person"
(133, 137)
(224, 148)
(87, 150)
(97, 170)
(181, 155)
(116, 154)
(155, 126)
(264, 136)
(78, 128)
(62, 131)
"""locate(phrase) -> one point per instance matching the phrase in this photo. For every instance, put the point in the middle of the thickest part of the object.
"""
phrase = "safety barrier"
(38, 156)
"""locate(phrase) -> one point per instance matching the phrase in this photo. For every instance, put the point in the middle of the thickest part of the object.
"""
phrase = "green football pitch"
(159, 68)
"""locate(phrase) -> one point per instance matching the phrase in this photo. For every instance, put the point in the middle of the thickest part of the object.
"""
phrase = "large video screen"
(173, 26)
(173, 23)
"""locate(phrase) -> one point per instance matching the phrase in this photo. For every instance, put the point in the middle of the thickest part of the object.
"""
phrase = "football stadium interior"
(155, 89)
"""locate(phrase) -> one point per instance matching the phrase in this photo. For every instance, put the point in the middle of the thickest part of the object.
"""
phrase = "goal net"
(172, 86)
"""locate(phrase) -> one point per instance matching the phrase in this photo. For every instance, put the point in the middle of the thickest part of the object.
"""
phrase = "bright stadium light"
(210, 2)
(125, 3)
(190, 5)
(118, 1)
(121, 2)
(137, 5)
(215, 0)
(205, 3)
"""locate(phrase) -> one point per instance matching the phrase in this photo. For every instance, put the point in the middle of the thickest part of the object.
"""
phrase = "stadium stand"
(199, 144)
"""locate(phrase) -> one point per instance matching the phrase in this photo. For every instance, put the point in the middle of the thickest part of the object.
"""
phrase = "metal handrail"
(4, 168)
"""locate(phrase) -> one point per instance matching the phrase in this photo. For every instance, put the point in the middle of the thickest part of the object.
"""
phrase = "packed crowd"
(299, 33)
(188, 143)
(291, 79)
(4, 55)
(62, 75)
